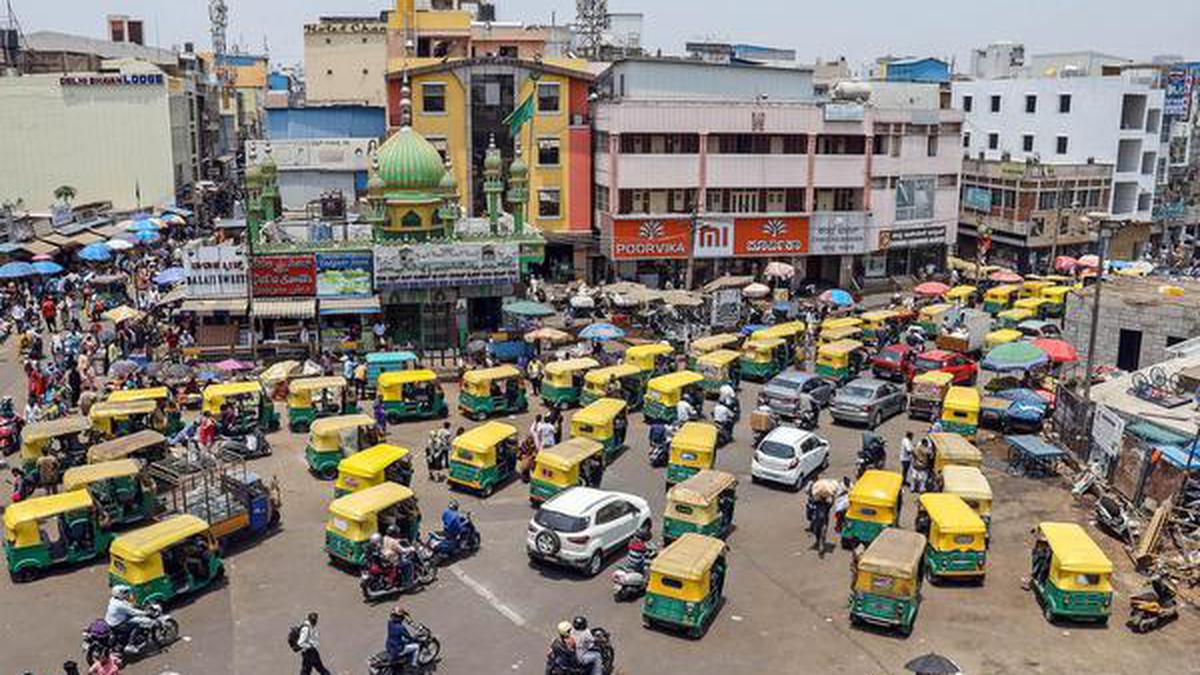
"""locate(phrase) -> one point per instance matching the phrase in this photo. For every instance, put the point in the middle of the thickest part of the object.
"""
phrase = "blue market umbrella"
(144, 226)
(836, 296)
(147, 236)
(601, 331)
(97, 252)
(171, 275)
(16, 270)
(47, 268)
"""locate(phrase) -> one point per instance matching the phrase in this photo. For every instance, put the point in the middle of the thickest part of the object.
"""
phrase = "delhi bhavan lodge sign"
(109, 80)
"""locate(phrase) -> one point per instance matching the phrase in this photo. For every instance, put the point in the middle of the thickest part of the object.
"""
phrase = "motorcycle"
(428, 652)
(381, 579)
(629, 584)
(872, 455)
(808, 419)
(444, 549)
(10, 434)
(602, 644)
(249, 446)
(1153, 607)
(159, 631)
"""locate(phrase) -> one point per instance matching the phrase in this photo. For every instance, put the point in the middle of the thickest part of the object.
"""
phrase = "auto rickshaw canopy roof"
(894, 553)
(1056, 293)
(227, 389)
(568, 454)
(1077, 553)
(763, 345)
(719, 358)
(138, 545)
(702, 488)
(930, 311)
(939, 378)
(962, 398)
(603, 375)
(600, 412)
(483, 375)
(571, 365)
(372, 460)
(700, 436)
(38, 431)
(79, 476)
(952, 514)
(642, 351)
(840, 334)
(877, 488)
(953, 445)
(688, 557)
(333, 425)
(877, 315)
(839, 347)
(485, 436)
(714, 342)
(1030, 303)
(960, 292)
(1001, 292)
(674, 381)
(36, 508)
(390, 357)
(359, 506)
(112, 408)
(966, 481)
(123, 446)
(310, 384)
(782, 330)
(148, 393)
(399, 377)
(841, 322)
(1004, 335)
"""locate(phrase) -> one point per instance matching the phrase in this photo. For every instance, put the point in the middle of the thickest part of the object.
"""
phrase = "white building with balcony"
(707, 169)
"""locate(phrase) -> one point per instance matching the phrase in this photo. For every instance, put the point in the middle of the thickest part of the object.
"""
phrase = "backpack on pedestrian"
(293, 637)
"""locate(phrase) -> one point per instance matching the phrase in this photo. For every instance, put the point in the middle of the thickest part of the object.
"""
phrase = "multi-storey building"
(706, 169)
(345, 60)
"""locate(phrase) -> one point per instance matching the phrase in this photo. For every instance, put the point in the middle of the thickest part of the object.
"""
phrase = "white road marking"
(483, 592)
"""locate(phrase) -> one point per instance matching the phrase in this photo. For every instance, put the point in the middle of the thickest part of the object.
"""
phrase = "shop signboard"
(773, 237)
(284, 275)
(215, 271)
(838, 233)
(652, 238)
(912, 237)
(432, 265)
(1107, 430)
(978, 199)
(343, 274)
(714, 237)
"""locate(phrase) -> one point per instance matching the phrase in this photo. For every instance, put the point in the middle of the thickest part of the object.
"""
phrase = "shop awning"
(85, 238)
(59, 240)
(37, 247)
(364, 305)
(106, 231)
(230, 305)
(285, 308)
(176, 294)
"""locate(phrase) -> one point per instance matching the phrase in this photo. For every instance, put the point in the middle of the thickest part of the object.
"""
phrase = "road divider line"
(483, 592)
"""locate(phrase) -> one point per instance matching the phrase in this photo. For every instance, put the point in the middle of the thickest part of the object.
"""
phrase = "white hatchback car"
(789, 456)
(581, 526)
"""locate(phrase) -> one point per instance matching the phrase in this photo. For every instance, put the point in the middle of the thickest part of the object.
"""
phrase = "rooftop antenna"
(591, 20)
(218, 17)
(12, 39)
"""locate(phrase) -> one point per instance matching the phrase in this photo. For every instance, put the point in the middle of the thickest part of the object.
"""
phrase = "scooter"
(381, 579)
(445, 549)
(1154, 607)
(601, 643)
(156, 632)
(873, 454)
(428, 651)
(249, 446)
(629, 584)
(10, 434)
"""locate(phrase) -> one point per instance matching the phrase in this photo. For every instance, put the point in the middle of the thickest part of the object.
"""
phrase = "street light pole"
(1105, 224)
(1058, 229)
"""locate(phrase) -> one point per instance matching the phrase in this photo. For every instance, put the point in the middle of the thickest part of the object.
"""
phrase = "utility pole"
(1104, 223)
(1058, 228)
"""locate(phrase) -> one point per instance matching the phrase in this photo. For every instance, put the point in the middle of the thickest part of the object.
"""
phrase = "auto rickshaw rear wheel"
(23, 575)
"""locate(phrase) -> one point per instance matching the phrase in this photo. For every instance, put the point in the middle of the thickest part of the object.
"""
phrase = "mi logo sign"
(713, 238)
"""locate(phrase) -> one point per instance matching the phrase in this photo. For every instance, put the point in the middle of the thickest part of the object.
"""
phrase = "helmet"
(564, 628)
(394, 531)
(453, 505)
(376, 539)
(580, 623)
(120, 591)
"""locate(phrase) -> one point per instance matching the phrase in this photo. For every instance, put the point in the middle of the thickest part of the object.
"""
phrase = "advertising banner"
(714, 237)
(344, 274)
(1175, 96)
(284, 275)
(211, 272)
(978, 199)
(431, 265)
(727, 307)
(650, 238)
(838, 233)
(781, 237)
(914, 236)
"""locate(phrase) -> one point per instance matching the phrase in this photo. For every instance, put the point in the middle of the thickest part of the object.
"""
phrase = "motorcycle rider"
(727, 396)
(684, 411)
(396, 552)
(124, 617)
(724, 418)
(638, 554)
(453, 522)
(587, 657)
(562, 650)
(400, 642)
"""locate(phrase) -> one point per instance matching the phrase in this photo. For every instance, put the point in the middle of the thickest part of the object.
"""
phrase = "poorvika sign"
(109, 80)
(652, 238)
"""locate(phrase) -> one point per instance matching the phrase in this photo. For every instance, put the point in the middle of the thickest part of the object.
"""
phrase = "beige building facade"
(345, 61)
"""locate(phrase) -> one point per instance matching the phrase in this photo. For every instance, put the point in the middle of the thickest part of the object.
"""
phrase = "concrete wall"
(346, 67)
(1156, 317)
(327, 122)
(689, 80)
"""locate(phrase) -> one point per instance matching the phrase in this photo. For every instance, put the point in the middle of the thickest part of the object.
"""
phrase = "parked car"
(1037, 328)
(789, 456)
(893, 362)
(962, 367)
(868, 401)
(581, 526)
(782, 392)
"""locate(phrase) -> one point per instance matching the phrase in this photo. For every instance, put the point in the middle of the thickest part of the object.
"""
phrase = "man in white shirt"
(684, 412)
(906, 455)
(310, 644)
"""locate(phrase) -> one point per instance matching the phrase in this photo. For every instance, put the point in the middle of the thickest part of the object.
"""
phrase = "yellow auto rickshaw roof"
(112, 408)
(879, 315)
(688, 557)
(964, 398)
(936, 308)
(894, 553)
(394, 377)
(317, 383)
(877, 488)
(783, 330)
(36, 431)
(79, 476)
(149, 393)
(1002, 291)
(570, 453)
(999, 337)
(762, 344)
(952, 514)
(673, 381)
(1056, 293)
(1075, 550)
(711, 342)
(36, 508)
(122, 446)
(485, 436)
(837, 334)
(1016, 313)
(839, 347)
(1030, 303)
(654, 349)
(599, 412)
(333, 425)
(719, 357)
(603, 375)
(841, 322)
(953, 446)
(938, 377)
(138, 545)
(570, 365)
(359, 506)
(960, 292)
(696, 436)
(227, 389)
(966, 481)
(480, 375)
(702, 488)
(372, 460)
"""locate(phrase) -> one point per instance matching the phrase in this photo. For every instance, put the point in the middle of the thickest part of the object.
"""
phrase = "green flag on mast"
(520, 115)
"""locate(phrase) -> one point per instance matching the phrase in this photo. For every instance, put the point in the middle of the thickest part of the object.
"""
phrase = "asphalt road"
(495, 612)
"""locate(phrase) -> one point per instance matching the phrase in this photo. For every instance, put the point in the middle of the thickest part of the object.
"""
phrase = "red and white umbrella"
(1005, 277)
(779, 270)
(1089, 261)
(931, 289)
(1059, 351)
(756, 290)
(1065, 263)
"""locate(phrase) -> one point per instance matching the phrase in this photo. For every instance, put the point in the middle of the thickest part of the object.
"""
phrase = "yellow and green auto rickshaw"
(874, 505)
(111, 419)
(1037, 306)
(719, 367)
(562, 466)
(840, 360)
(1010, 318)
(887, 581)
(563, 383)
(118, 488)
(930, 317)
(957, 538)
(621, 381)
(652, 359)
(332, 439)
(484, 458)
(379, 363)
(604, 421)
(64, 432)
(926, 394)
(1056, 307)
(687, 585)
(353, 518)
(1071, 577)
(703, 503)
(793, 334)
(763, 358)
(45, 532)
(951, 449)
(162, 398)
(960, 411)
(1032, 288)
(839, 322)
(147, 446)
(999, 298)
(312, 398)
(253, 407)
(175, 556)
(492, 391)
(712, 343)
(840, 335)
(693, 448)
(875, 321)
(411, 394)
(963, 294)
(664, 392)
(1003, 336)
(969, 483)
(377, 464)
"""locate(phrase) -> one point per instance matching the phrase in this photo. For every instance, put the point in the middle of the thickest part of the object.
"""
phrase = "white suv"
(581, 526)
(789, 456)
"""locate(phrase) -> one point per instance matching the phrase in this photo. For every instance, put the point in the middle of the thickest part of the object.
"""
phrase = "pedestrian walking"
(381, 418)
(906, 457)
(817, 511)
(309, 644)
